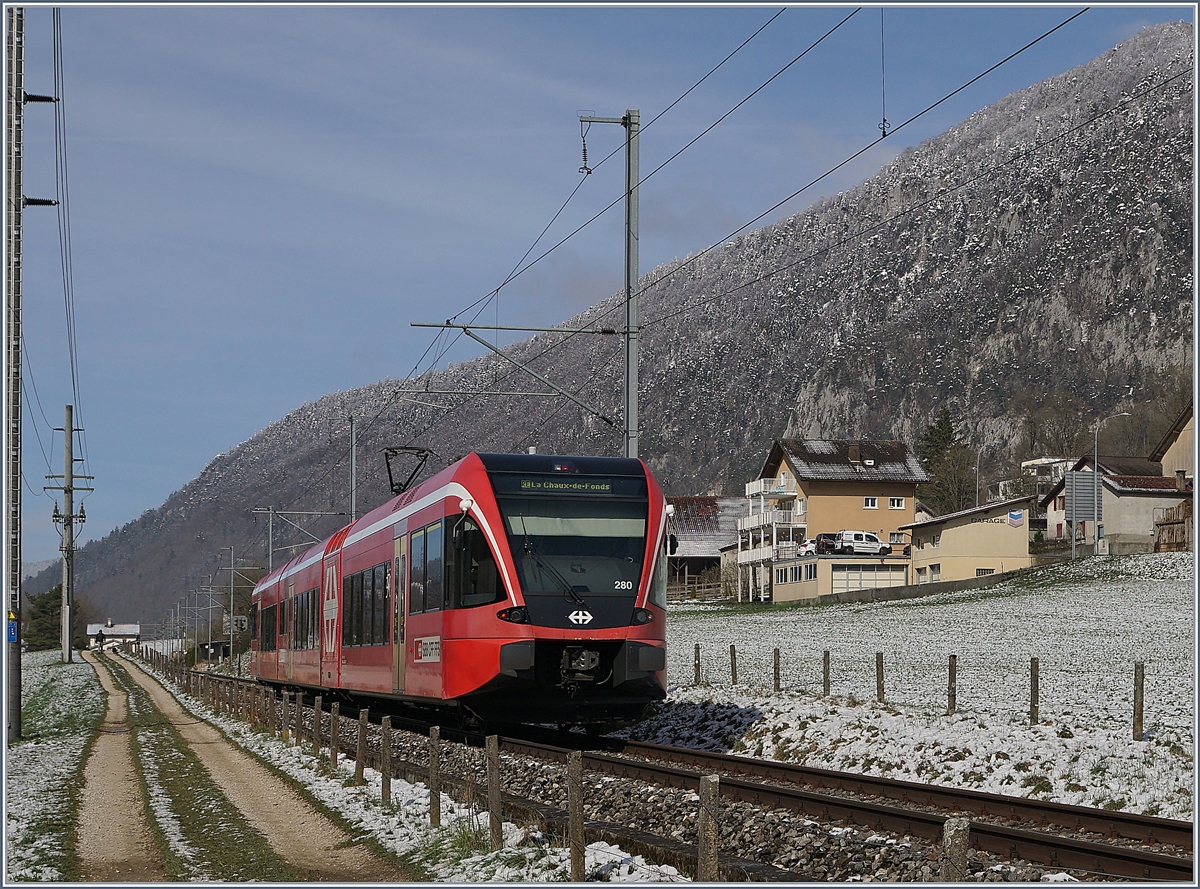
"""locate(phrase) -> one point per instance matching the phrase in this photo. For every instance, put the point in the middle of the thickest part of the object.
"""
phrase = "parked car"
(861, 543)
(806, 548)
(825, 544)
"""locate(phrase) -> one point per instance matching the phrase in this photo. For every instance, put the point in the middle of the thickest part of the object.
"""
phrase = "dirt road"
(115, 843)
(122, 849)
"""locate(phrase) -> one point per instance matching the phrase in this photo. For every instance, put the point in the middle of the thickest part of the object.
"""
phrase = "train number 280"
(623, 585)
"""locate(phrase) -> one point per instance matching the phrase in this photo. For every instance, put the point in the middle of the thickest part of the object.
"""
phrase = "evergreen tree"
(936, 440)
(45, 620)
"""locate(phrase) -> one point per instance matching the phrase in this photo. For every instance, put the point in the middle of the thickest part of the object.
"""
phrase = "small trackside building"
(989, 539)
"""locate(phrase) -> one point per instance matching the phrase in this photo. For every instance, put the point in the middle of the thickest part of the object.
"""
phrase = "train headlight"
(518, 615)
(642, 616)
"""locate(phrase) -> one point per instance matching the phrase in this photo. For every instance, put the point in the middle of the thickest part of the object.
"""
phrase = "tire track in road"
(296, 830)
(114, 841)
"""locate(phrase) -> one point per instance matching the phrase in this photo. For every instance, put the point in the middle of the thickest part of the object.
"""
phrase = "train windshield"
(578, 544)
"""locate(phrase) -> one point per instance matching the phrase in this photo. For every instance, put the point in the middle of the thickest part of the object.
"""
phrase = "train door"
(290, 650)
(330, 669)
(399, 598)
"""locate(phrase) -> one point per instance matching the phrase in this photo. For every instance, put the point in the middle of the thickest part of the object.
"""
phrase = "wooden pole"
(879, 676)
(733, 663)
(360, 755)
(435, 776)
(826, 673)
(1139, 678)
(575, 813)
(334, 718)
(385, 728)
(318, 718)
(706, 829)
(1033, 691)
(495, 821)
(299, 717)
(696, 664)
(952, 686)
(283, 716)
(776, 669)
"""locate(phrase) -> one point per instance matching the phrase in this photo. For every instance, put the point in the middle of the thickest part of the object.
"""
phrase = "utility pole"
(632, 124)
(67, 518)
(353, 472)
(15, 100)
(15, 64)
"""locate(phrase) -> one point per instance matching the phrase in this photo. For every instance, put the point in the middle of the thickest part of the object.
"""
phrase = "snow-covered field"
(1086, 622)
(62, 703)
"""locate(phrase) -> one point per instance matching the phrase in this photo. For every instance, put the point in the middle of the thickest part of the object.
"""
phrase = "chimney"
(854, 455)
(109, 623)
(1180, 479)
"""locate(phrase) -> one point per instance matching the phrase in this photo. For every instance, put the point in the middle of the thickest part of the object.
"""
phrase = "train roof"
(555, 463)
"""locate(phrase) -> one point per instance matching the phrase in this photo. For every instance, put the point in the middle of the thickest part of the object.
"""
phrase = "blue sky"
(262, 199)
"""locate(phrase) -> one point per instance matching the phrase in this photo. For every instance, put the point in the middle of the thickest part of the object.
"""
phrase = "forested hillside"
(1029, 269)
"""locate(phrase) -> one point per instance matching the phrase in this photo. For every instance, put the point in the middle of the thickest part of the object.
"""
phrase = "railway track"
(787, 786)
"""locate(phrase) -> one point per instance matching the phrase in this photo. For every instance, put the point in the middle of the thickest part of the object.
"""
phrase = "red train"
(514, 587)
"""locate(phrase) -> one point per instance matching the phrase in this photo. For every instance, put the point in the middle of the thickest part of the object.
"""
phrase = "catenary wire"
(857, 235)
(482, 302)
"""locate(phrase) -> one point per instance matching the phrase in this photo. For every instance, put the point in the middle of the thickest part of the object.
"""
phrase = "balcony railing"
(768, 517)
(775, 553)
(769, 487)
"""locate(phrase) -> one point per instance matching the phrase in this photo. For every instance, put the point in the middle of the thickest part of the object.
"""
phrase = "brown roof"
(1160, 449)
(839, 460)
(1142, 483)
(987, 507)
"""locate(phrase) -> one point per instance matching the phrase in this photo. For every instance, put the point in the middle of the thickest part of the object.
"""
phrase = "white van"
(861, 543)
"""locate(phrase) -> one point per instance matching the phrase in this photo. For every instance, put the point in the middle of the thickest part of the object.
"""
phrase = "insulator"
(585, 169)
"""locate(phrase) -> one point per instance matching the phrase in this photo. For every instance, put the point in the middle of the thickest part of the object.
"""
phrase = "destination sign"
(566, 486)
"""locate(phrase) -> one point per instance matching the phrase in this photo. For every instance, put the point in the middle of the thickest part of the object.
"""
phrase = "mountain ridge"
(1033, 259)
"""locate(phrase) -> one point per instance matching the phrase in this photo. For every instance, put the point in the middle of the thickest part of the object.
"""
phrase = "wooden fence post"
(435, 776)
(575, 814)
(826, 673)
(334, 718)
(733, 663)
(283, 716)
(360, 755)
(955, 835)
(1139, 678)
(1033, 691)
(879, 676)
(385, 729)
(495, 819)
(318, 717)
(776, 669)
(696, 664)
(952, 686)
(299, 717)
(706, 829)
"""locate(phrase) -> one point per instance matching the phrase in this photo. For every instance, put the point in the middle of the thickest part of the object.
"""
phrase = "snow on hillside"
(1086, 622)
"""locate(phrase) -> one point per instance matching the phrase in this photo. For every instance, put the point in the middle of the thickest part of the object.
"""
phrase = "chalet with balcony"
(816, 486)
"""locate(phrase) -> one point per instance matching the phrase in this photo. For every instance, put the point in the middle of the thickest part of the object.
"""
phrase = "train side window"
(434, 563)
(400, 581)
(314, 621)
(478, 579)
(254, 634)
(658, 583)
(416, 574)
(268, 628)
(366, 636)
(347, 608)
(381, 605)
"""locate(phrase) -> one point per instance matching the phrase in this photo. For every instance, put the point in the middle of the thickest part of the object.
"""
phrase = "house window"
(895, 503)
(781, 575)
(935, 573)
(937, 539)
(870, 503)
(984, 572)
(922, 575)
(895, 537)
(1060, 524)
(802, 506)
(1062, 502)
(810, 571)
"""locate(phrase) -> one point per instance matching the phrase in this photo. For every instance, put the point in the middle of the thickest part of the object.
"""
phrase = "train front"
(586, 567)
